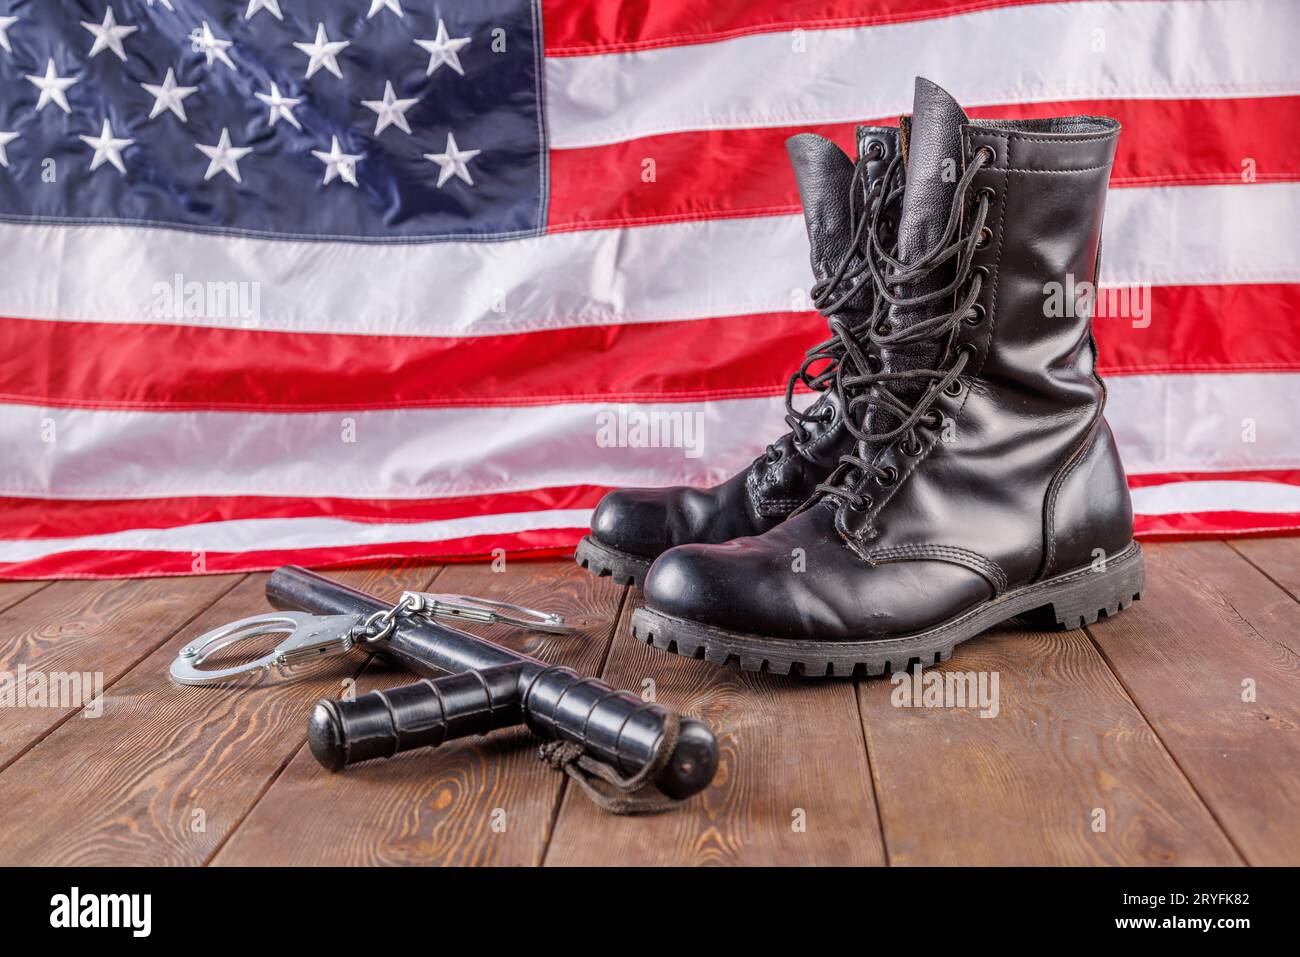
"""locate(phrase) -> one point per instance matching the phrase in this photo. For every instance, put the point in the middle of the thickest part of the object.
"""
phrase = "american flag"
(332, 280)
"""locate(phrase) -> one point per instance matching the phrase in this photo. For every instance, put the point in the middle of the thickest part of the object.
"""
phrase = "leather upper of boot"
(1011, 475)
(644, 521)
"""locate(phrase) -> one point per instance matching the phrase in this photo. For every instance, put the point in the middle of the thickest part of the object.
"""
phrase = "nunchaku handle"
(380, 724)
(555, 703)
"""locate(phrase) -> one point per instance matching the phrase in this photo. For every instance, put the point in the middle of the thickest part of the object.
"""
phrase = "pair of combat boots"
(955, 469)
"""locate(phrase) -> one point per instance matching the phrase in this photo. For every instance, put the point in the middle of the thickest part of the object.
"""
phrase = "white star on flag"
(52, 87)
(5, 24)
(377, 5)
(323, 52)
(5, 140)
(224, 157)
(169, 96)
(442, 49)
(270, 6)
(337, 163)
(108, 148)
(109, 35)
(453, 162)
(391, 110)
(211, 47)
(281, 107)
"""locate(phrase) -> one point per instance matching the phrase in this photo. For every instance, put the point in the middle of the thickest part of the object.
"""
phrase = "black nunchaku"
(471, 686)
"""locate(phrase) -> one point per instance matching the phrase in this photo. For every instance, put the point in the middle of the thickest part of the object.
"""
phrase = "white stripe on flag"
(1061, 51)
(276, 534)
(1169, 423)
(1177, 497)
(259, 535)
(1184, 235)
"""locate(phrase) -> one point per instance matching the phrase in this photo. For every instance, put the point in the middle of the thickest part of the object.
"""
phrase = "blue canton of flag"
(342, 119)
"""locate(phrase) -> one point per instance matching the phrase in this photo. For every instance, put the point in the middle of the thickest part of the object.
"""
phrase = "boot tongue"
(824, 175)
(933, 168)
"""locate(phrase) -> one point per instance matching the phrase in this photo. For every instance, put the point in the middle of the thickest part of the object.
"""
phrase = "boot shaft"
(1016, 447)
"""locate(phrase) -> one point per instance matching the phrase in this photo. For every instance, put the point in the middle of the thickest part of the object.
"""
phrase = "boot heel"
(1080, 597)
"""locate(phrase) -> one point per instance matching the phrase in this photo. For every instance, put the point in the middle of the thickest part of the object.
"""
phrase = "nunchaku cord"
(606, 788)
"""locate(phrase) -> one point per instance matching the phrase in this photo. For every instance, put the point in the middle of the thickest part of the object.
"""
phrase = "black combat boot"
(985, 483)
(632, 526)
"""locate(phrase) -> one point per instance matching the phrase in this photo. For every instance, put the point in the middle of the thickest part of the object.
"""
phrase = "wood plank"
(793, 784)
(1279, 560)
(11, 593)
(1021, 787)
(1209, 622)
(97, 627)
(443, 807)
(167, 772)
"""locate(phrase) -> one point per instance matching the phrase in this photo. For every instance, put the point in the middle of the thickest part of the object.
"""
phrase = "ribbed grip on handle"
(421, 715)
(611, 726)
(619, 729)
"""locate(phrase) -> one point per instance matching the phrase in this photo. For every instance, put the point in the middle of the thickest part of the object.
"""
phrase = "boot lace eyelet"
(888, 476)
(875, 150)
(989, 153)
(774, 455)
(976, 315)
(986, 237)
(913, 449)
(953, 388)
(982, 272)
(987, 193)
(933, 420)
(862, 505)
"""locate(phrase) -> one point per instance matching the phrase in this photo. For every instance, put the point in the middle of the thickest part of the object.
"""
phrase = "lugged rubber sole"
(1068, 601)
(602, 561)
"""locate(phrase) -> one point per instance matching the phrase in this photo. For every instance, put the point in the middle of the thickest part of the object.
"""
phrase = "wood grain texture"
(1022, 788)
(11, 593)
(1279, 560)
(485, 800)
(167, 772)
(1210, 628)
(95, 627)
(793, 785)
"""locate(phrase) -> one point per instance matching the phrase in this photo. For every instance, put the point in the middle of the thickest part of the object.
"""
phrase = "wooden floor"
(1137, 723)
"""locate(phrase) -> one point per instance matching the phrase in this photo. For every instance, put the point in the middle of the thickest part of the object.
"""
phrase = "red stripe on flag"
(130, 366)
(717, 174)
(30, 518)
(1225, 328)
(584, 27)
(542, 543)
(1229, 328)
(1215, 524)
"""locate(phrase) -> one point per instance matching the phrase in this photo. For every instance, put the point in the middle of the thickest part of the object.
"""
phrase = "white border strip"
(1168, 423)
(1184, 235)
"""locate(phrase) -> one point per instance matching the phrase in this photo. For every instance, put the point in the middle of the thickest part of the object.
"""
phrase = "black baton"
(488, 686)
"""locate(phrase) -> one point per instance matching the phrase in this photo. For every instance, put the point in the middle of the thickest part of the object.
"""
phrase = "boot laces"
(870, 386)
(843, 350)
